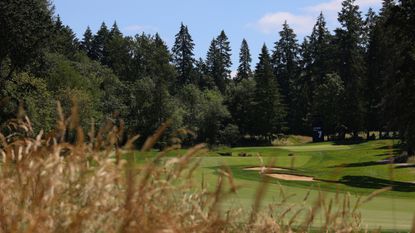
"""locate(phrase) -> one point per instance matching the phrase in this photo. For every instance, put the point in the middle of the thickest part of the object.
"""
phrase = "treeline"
(360, 78)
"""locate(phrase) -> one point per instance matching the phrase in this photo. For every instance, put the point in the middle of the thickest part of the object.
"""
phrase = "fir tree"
(115, 31)
(285, 60)
(183, 55)
(286, 68)
(87, 40)
(99, 42)
(219, 61)
(399, 100)
(320, 50)
(64, 40)
(372, 84)
(244, 69)
(269, 111)
(351, 64)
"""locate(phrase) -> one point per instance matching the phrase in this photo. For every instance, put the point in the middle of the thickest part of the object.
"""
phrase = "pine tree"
(219, 60)
(115, 31)
(99, 42)
(372, 84)
(285, 61)
(183, 55)
(320, 50)
(269, 111)
(350, 64)
(86, 43)
(64, 40)
(316, 61)
(399, 100)
(116, 53)
(327, 107)
(244, 69)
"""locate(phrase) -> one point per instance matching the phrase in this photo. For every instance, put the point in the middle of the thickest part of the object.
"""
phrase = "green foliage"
(268, 109)
(35, 98)
(244, 68)
(218, 61)
(99, 42)
(64, 40)
(87, 40)
(285, 59)
(183, 55)
(399, 34)
(205, 112)
(327, 98)
(351, 65)
(358, 79)
(241, 105)
(230, 135)
(25, 30)
(117, 53)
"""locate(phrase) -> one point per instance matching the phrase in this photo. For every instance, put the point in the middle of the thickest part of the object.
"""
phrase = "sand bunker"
(263, 169)
(291, 177)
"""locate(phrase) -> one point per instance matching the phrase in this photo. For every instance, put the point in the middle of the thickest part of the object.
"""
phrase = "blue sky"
(256, 20)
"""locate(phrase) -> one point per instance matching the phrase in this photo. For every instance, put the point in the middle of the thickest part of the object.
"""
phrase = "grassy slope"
(391, 210)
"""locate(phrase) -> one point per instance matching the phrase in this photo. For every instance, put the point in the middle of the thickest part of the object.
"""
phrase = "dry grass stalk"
(64, 181)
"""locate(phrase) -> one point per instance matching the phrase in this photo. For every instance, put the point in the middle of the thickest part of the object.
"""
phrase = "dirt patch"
(264, 169)
(291, 177)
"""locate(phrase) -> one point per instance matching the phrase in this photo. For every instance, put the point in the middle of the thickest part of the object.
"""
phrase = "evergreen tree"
(372, 84)
(87, 40)
(116, 53)
(320, 50)
(242, 106)
(316, 61)
(269, 111)
(204, 80)
(64, 40)
(219, 61)
(244, 69)
(115, 31)
(351, 64)
(286, 68)
(399, 100)
(327, 107)
(99, 42)
(183, 55)
(285, 60)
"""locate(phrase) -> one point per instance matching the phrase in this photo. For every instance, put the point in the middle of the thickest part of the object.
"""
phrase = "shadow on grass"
(349, 142)
(376, 183)
(362, 164)
(406, 166)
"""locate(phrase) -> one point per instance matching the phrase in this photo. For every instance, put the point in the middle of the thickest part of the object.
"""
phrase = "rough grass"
(69, 181)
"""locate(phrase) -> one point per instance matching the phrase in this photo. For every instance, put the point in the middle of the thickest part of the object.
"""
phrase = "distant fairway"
(345, 169)
(310, 148)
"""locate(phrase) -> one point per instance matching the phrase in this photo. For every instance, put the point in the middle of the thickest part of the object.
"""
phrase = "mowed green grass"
(341, 169)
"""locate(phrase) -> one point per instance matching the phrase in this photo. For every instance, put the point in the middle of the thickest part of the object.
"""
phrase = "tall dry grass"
(68, 181)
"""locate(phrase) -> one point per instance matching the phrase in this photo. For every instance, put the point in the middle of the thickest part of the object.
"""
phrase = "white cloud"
(272, 22)
(139, 28)
(303, 22)
(335, 6)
